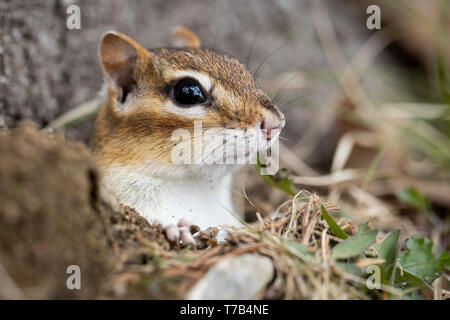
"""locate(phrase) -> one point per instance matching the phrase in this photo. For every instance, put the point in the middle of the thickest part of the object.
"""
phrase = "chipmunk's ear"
(184, 37)
(124, 61)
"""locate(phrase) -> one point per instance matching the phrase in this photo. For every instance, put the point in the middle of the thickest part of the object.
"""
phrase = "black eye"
(188, 92)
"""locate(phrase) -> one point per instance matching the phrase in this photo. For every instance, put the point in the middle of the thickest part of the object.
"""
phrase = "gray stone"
(238, 277)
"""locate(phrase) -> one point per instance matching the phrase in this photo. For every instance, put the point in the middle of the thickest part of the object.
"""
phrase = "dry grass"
(298, 241)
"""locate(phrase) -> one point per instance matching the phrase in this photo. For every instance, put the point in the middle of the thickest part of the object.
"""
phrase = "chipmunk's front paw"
(181, 233)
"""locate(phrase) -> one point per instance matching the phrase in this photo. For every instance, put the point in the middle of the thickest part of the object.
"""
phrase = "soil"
(55, 214)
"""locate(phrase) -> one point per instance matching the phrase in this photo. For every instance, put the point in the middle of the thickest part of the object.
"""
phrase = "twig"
(79, 113)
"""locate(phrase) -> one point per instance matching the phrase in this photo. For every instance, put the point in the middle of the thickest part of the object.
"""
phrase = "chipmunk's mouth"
(221, 146)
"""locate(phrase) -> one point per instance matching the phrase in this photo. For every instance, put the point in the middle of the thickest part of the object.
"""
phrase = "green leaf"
(445, 260)
(407, 280)
(278, 181)
(413, 198)
(387, 250)
(299, 250)
(363, 228)
(414, 296)
(283, 184)
(352, 269)
(334, 227)
(419, 260)
(354, 246)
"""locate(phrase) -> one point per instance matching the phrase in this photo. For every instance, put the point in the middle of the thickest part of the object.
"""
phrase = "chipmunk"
(149, 95)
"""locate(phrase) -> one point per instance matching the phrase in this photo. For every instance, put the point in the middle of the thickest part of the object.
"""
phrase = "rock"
(234, 278)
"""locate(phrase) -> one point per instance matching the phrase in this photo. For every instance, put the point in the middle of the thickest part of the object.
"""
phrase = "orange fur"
(183, 37)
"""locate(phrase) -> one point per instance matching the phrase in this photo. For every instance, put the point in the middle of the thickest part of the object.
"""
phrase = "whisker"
(215, 39)
(296, 99)
(259, 68)
(252, 45)
(283, 87)
(286, 139)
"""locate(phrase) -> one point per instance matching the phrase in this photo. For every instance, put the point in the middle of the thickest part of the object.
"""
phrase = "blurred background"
(368, 111)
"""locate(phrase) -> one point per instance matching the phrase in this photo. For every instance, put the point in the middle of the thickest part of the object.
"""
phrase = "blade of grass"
(334, 227)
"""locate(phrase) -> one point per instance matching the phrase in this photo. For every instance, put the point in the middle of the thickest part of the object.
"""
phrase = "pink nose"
(271, 127)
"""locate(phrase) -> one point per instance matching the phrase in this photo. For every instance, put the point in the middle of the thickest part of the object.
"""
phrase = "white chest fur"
(204, 202)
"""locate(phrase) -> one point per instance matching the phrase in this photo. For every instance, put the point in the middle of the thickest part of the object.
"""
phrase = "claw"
(186, 237)
(172, 233)
(182, 232)
(183, 223)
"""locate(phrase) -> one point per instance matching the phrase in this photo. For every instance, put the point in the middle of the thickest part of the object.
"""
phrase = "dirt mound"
(52, 216)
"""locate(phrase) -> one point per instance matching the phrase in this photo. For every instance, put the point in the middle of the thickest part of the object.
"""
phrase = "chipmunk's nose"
(272, 125)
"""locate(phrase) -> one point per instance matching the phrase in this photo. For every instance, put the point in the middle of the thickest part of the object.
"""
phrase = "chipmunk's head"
(158, 99)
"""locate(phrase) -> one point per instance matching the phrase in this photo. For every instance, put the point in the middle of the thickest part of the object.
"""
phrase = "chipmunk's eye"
(188, 92)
